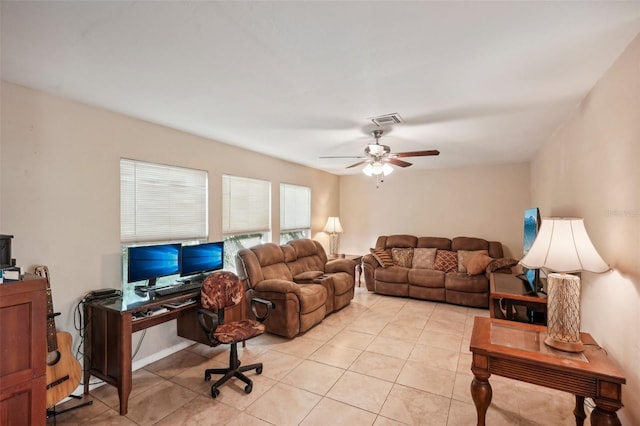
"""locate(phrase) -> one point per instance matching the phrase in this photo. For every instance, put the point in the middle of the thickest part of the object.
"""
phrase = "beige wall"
(590, 169)
(61, 189)
(486, 202)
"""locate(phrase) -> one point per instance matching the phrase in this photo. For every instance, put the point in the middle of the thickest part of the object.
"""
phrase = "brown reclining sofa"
(299, 279)
(434, 278)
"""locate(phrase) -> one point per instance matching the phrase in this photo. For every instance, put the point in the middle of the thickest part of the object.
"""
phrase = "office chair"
(221, 290)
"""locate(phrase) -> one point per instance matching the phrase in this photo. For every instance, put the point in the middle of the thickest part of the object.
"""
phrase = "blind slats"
(162, 203)
(295, 207)
(246, 205)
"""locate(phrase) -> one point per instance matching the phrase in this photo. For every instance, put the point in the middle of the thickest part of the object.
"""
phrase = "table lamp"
(562, 246)
(334, 228)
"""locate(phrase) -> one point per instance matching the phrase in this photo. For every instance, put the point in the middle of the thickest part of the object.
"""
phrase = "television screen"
(151, 262)
(202, 258)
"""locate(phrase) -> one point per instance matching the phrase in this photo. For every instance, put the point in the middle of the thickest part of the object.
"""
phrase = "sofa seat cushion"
(426, 278)
(392, 274)
(312, 296)
(461, 281)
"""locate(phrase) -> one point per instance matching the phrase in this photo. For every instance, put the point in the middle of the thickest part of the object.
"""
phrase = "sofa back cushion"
(309, 256)
(471, 244)
(401, 241)
(434, 242)
(263, 262)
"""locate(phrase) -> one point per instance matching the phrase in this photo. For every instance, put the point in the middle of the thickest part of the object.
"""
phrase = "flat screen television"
(148, 263)
(199, 259)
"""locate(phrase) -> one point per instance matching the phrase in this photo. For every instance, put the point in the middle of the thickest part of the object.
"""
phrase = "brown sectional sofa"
(455, 287)
(299, 280)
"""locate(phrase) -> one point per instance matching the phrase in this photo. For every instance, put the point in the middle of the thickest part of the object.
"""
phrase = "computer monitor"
(202, 258)
(148, 263)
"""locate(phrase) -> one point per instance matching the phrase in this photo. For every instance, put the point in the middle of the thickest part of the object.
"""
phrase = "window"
(295, 212)
(246, 214)
(162, 203)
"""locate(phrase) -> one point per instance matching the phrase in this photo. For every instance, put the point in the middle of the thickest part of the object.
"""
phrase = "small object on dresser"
(10, 274)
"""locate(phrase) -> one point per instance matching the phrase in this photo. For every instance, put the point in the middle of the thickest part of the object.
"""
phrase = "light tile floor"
(379, 361)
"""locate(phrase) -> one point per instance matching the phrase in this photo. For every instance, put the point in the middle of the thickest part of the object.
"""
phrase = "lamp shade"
(333, 225)
(563, 245)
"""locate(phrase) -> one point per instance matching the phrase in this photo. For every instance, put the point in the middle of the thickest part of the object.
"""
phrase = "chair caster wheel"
(248, 388)
(215, 392)
(259, 370)
(207, 377)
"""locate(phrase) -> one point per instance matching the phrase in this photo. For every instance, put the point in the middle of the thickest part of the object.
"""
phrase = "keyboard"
(177, 288)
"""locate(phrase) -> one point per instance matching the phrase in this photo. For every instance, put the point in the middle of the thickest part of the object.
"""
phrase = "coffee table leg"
(481, 393)
(579, 411)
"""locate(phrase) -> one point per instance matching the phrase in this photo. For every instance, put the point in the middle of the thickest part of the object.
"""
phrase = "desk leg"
(481, 393)
(579, 411)
(124, 359)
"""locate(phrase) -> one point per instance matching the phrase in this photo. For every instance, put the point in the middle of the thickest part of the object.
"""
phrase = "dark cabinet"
(23, 352)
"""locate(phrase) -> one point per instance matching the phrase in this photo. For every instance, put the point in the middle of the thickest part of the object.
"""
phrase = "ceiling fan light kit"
(378, 158)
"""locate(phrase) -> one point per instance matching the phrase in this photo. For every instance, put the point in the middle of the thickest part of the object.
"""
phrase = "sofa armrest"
(277, 286)
(369, 259)
(340, 265)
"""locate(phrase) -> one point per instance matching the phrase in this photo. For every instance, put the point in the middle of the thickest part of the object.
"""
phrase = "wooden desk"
(110, 323)
(517, 350)
(511, 292)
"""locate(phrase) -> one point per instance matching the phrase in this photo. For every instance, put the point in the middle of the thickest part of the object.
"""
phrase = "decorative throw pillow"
(478, 263)
(446, 261)
(465, 255)
(402, 256)
(423, 258)
(503, 262)
(383, 258)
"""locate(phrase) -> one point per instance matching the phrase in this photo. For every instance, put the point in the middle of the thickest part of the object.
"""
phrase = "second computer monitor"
(202, 258)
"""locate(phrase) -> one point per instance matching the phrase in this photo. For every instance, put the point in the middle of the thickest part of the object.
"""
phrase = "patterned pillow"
(465, 255)
(503, 262)
(423, 258)
(478, 263)
(383, 258)
(402, 257)
(446, 261)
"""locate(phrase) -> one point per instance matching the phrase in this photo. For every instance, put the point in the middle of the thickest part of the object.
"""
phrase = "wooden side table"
(358, 259)
(510, 291)
(517, 350)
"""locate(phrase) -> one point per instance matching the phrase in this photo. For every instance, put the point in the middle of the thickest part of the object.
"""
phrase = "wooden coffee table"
(517, 350)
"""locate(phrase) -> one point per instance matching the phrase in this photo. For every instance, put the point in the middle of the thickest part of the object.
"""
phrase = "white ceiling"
(483, 82)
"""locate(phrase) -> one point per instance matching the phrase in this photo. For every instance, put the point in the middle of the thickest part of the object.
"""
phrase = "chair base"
(234, 370)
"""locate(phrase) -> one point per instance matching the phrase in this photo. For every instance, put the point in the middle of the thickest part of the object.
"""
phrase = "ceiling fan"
(379, 157)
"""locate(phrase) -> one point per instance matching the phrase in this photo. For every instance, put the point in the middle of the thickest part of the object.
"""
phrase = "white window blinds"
(162, 203)
(246, 205)
(295, 207)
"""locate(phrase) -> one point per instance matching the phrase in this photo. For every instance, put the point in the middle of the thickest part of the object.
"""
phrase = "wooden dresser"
(23, 351)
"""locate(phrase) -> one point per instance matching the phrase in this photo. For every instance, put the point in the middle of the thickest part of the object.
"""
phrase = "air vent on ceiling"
(387, 119)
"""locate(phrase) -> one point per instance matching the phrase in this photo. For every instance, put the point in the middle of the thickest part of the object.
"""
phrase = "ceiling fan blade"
(417, 153)
(344, 156)
(397, 162)
(357, 164)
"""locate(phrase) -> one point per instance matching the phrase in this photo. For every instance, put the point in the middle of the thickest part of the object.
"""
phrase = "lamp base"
(564, 346)
(563, 313)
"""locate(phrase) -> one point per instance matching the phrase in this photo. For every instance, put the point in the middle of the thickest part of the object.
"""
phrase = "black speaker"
(5, 250)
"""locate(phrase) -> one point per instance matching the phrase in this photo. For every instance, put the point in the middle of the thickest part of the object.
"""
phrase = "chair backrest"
(220, 290)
